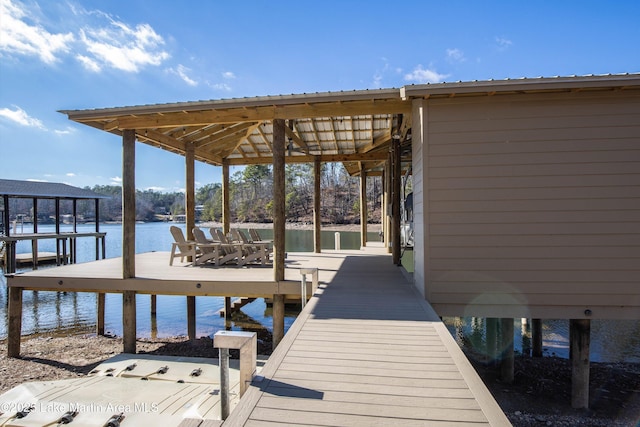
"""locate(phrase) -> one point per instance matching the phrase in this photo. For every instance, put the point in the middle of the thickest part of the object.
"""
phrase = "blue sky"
(57, 55)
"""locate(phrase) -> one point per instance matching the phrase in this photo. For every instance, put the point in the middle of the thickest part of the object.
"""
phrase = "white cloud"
(116, 180)
(181, 72)
(66, 131)
(70, 174)
(220, 86)
(36, 180)
(122, 47)
(503, 43)
(379, 74)
(88, 63)
(420, 75)
(94, 39)
(228, 75)
(455, 55)
(21, 117)
(377, 81)
(18, 36)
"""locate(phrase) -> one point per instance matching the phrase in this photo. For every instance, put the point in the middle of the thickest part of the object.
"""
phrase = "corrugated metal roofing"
(45, 190)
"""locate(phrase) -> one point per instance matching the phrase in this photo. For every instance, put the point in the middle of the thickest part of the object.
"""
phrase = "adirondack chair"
(227, 251)
(207, 251)
(254, 234)
(250, 252)
(181, 247)
(262, 249)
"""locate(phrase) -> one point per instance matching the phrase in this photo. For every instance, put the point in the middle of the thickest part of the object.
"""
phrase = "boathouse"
(65, 241)
(526, 192)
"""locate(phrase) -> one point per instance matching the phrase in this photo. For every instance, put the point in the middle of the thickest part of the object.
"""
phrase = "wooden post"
(34, 242)
(317, 217)
(507, 362)
(15, 320)
(226, 212)
(395, 207)
(278, 198)
(190, 220)
(154, 304)
(536, 337)
(278, 319)
(278, 225)
(128, 238)
(383, 209)
(129, 321)
(227, 309)
(128, 204)
(5, 215)
(382, 202)
(190, 190)
(492, 339)
(191, 317)
(580, 337)
(364, 214)
(100, 307)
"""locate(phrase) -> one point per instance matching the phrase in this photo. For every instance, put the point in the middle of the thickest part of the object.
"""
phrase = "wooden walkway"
(366, 351)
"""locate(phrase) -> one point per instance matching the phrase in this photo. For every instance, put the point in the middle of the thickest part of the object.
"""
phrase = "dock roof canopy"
(45, 190)
(354, 127)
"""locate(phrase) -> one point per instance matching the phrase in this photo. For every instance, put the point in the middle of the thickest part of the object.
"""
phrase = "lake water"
(53, 312)
(58, 312)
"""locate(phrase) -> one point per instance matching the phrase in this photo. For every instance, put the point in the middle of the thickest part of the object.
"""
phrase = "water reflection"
(611, 340)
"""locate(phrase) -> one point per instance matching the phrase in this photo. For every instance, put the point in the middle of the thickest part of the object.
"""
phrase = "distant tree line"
(251, 192)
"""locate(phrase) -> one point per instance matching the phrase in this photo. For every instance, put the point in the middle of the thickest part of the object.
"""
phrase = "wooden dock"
(367, 350)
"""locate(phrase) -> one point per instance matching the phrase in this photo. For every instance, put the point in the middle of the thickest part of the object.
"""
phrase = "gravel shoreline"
(540, 395)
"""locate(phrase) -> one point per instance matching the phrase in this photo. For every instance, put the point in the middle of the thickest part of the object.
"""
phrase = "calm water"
(46, 312)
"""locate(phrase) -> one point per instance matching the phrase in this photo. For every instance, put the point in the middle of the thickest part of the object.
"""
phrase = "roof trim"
(523, 84)
(222, 104)
(45, 190)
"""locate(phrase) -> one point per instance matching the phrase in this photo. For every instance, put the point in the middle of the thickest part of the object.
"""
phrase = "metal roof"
(45, 190)
(353, 127)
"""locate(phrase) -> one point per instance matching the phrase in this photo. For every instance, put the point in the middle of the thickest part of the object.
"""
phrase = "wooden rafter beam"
(353, 134)
(296, 139)
(316, 136)
(379, 156)
(173, 145)
(378, 141)
(260, 130)
(201, 132)
(333, 133)
(230, 131)
(248, 133)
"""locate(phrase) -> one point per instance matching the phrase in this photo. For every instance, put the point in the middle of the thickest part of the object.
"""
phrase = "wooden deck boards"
(367, 350)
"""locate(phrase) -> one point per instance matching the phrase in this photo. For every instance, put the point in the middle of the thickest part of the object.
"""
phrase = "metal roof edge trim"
(46, 190)
(249, 102)
(540, 83)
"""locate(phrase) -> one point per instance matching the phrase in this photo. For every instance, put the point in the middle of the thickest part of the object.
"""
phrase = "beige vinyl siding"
(534, 205)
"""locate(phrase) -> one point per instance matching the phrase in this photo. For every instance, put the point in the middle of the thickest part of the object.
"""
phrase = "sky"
(82, 54)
